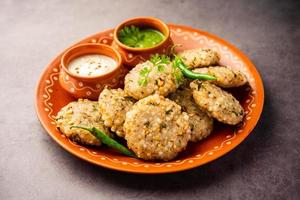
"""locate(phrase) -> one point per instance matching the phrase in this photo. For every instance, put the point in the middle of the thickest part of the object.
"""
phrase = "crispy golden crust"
(200, 57)
(156, 129)
(160, 82)
(201, 124)
(217, 103)
(226, 77)
(81, 113)
(114, 104)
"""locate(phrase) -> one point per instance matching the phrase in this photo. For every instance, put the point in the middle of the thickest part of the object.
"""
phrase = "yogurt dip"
(92, 65)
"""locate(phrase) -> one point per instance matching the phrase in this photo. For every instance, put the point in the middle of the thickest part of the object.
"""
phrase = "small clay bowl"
(90, 87)
(132, 56)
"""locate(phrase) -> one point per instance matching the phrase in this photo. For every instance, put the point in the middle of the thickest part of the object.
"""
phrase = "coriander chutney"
(140, 38)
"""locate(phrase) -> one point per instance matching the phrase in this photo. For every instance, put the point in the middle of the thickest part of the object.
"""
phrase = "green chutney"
(140, 38)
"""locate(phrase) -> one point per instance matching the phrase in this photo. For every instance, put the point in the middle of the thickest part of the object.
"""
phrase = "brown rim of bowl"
(117, 54)
(163, 28)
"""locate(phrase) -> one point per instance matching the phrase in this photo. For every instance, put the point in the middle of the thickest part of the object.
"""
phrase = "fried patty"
(201, 124)
(114, 104)
(199, 57)
(81, 113)
(146, 79)
(217, 103)
(156, 128)
(226, 77)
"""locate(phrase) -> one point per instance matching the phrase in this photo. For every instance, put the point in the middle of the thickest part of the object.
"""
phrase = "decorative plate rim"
(258, 109)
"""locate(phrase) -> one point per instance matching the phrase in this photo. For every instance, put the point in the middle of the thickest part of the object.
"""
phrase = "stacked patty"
(113, 105)
(199, 57)
(200, 123)
(226, 78)
(217, 103)
(81, 113)
(156, 128)
(146, 79)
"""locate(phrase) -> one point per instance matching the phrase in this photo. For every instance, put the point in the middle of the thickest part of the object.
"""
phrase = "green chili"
(107, 140)
(188, 73)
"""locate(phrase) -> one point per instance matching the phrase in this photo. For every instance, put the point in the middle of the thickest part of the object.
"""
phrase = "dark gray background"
(265, 166)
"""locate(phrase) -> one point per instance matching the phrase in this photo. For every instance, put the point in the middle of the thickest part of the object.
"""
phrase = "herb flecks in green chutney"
(133, 36)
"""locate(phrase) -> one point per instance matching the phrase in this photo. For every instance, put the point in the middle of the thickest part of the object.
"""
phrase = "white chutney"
(92, 65)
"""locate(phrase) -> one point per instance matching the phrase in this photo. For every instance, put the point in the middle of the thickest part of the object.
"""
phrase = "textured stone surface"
(265, 166)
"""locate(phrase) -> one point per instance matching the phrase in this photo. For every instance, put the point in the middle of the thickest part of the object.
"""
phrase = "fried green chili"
(107, 140)
(177, 62)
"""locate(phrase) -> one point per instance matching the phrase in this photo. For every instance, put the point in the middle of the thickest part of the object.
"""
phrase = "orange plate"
(50, 98)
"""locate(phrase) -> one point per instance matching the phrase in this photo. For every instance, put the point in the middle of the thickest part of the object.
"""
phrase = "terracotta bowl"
(132, 56)
(90, 87)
